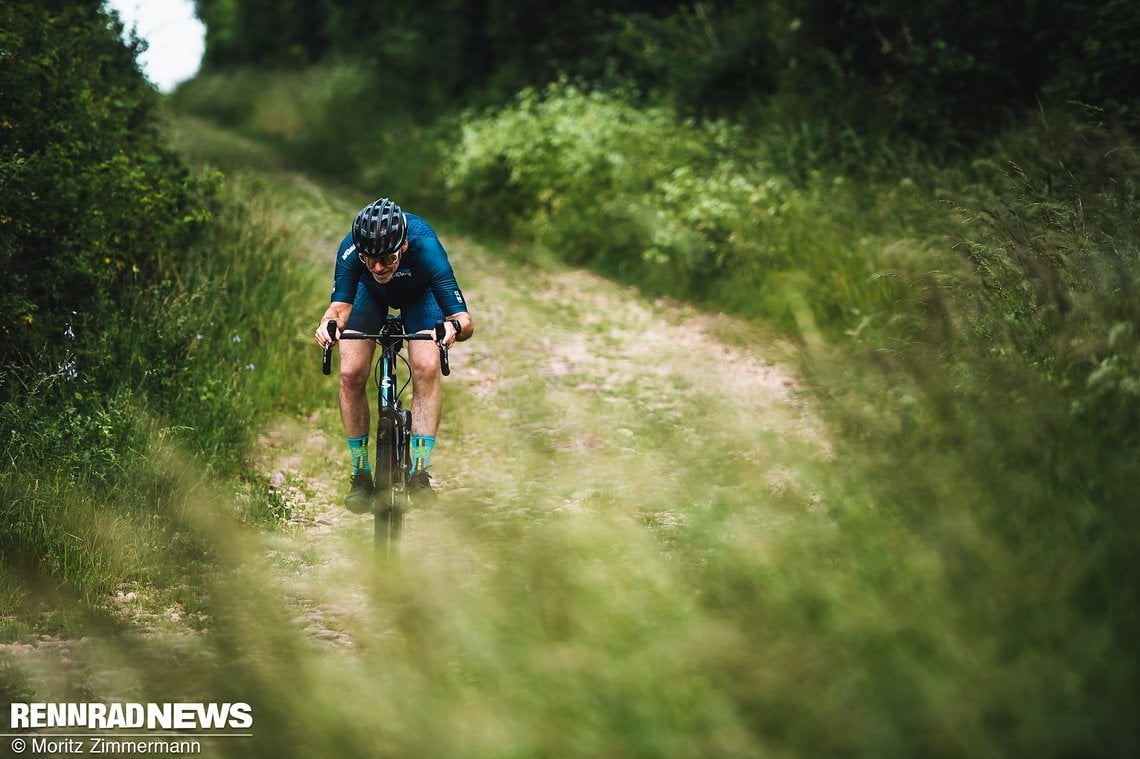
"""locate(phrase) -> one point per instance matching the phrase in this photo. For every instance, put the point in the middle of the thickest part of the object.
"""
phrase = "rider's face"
(381, 270)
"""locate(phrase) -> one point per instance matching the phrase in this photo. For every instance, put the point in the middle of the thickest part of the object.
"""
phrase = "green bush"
(677, 206)
(91, 196)
(93, 205)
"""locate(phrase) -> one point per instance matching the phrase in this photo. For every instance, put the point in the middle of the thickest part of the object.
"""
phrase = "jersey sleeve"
(442, 278)
(347, 274)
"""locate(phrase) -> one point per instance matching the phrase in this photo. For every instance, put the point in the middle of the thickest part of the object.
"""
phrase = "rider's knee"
(424, 366)
(354, 377)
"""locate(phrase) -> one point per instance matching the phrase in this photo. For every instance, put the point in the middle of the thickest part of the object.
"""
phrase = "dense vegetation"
(127, 278)
(936, 200)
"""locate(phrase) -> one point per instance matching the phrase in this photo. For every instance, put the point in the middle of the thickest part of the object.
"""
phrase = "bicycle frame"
(393, 426)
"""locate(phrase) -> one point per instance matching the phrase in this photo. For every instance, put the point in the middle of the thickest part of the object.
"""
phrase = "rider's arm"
(433, 258)
(345, 278)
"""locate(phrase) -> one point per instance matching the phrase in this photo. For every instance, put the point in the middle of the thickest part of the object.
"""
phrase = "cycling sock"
(358, 447)
(421, 451)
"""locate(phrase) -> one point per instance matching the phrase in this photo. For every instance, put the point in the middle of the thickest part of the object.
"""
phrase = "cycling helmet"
(379, 229)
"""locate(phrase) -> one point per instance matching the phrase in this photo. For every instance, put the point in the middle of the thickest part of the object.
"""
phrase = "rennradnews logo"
(133, 716)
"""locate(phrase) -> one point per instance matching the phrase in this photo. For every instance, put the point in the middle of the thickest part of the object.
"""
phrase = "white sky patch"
(175, 37)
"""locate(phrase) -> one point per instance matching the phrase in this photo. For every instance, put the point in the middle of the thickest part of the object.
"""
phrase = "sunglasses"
(387, 260)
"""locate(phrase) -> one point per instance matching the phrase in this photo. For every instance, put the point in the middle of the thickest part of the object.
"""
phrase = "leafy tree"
(91, 198)
(938, 68)
(702, 56)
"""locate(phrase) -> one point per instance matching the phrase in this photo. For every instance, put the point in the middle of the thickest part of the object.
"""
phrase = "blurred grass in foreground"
(748, 626)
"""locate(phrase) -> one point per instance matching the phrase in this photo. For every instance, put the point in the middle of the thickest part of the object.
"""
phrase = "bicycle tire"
(385, 454)
(387, 527)
(388, 520)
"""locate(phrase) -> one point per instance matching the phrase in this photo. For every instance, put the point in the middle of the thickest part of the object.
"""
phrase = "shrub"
(677, 206)
(91, 196)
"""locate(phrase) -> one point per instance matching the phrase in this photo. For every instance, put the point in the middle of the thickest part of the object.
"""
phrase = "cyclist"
(392, 259)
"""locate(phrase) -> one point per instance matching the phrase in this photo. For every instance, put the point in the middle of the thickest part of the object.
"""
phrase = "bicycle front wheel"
(385, 471)
(387, 526)
(389, 512)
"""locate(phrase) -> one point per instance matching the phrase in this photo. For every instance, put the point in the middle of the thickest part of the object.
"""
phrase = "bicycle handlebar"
(444, 366)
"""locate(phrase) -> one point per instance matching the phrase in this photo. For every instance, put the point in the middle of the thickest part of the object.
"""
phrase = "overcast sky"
(175, 37)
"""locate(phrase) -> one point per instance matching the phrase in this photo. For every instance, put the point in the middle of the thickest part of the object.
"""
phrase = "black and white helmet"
(379, 229)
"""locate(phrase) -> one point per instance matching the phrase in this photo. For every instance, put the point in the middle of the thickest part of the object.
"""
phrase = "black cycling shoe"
(359, 498)
(419, 488)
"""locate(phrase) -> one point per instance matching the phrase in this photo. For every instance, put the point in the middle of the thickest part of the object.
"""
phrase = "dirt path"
(575, 396)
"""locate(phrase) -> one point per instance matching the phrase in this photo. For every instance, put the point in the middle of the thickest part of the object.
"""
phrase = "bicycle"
(393, 425)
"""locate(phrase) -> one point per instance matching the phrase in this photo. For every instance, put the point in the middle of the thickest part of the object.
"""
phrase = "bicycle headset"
(379, 229)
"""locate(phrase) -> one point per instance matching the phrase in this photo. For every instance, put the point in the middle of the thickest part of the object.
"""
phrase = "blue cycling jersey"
(424, 268)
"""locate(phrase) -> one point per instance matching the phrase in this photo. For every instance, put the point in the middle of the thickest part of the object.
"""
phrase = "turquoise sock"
(421, 451)
(358, 447)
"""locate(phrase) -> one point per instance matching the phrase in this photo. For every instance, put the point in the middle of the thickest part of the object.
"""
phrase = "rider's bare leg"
(355, 365)
(427, 389)
(355, 361)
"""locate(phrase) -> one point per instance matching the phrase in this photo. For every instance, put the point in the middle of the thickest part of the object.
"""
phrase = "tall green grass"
(989, 418)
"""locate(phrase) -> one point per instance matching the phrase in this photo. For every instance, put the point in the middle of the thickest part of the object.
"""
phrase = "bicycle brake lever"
(326, 364)
(444, 367)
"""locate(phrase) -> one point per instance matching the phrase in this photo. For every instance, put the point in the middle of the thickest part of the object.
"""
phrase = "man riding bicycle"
(392, 259)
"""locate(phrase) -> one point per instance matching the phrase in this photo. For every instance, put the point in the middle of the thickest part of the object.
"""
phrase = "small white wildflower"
(249, 367)
(237, 339)
(69, 333)
(198, 337)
